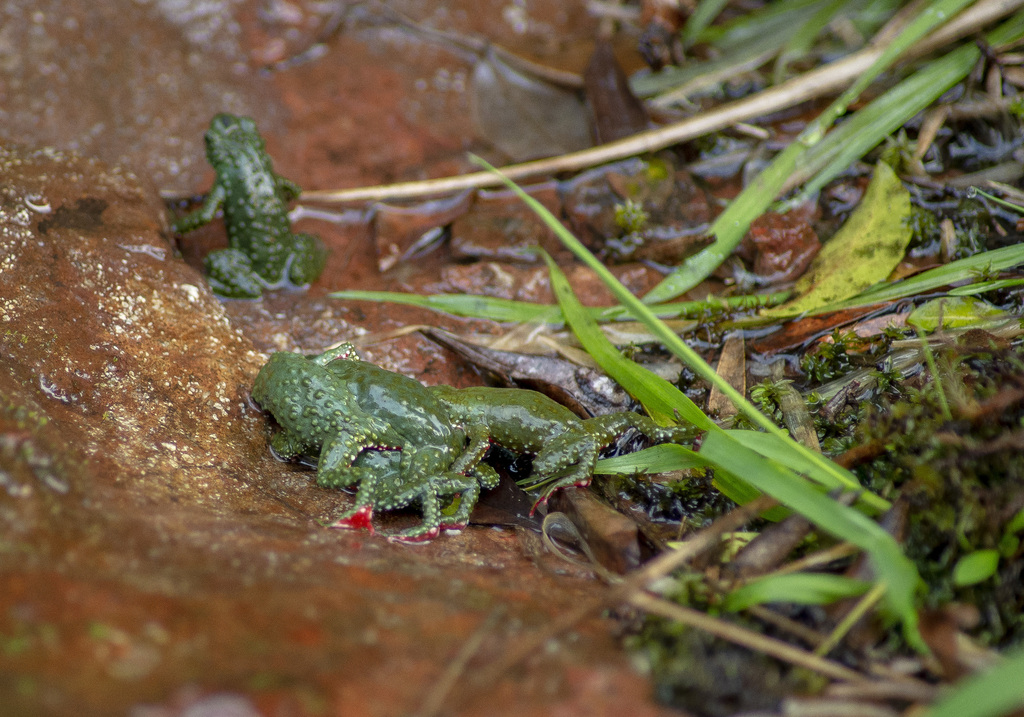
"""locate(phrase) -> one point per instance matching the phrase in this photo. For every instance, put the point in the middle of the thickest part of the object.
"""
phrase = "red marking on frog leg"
(357, 521)
(413, 539)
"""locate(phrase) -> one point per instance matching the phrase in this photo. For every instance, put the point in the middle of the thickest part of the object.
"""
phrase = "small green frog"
(263, 253)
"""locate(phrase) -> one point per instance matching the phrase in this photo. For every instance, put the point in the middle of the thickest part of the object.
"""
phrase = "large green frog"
(373, 428)
(263, 252)
(370, 414)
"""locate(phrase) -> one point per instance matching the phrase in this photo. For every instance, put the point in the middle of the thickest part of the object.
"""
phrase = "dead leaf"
(524, 117)
(863, 252)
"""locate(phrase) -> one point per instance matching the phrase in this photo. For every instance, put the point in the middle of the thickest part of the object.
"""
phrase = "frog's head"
(277, 377)
(229, 136)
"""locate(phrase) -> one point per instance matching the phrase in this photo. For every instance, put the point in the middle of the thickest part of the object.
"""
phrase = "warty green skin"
(360, 415)
(434, 460)
(318, 416)
(375, 428)
(566, 447)
(263, 252)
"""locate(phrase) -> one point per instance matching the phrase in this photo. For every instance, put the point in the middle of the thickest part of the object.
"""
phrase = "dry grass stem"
(824, 81)
(747, 638)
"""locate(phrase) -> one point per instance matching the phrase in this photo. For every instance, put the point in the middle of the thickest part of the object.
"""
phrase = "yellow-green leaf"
(863, 252)
(953, 312)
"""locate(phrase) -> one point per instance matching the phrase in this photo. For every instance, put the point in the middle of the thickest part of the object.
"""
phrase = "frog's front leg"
(335, 469)
(204, 214)
(479, 442)
(287, 189)
(307, 260)
(230, 273)
(287, 445)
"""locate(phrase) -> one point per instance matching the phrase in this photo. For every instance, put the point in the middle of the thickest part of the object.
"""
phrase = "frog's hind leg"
(567, 461)
(376, 472)
(309, 257)
(230, 273)
(429, 492)
(610, 426)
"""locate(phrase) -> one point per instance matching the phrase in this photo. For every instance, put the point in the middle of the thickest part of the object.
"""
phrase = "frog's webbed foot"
(486, 476)
(358, 518)
(230, 273)
(308, 259)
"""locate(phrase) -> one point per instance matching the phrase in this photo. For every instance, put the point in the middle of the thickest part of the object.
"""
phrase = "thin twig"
(747, 638)
(817, 83)
(634, 582)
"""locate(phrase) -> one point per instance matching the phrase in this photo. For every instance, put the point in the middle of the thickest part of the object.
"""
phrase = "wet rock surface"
(153, 551)
(154, 558)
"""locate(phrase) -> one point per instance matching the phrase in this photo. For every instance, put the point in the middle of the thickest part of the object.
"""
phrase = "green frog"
(376, 429)
(406, 443)
(263, 252)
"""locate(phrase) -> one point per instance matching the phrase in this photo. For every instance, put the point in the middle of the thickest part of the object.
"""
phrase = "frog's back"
(254, 209)
(516, 418)
(406, 404)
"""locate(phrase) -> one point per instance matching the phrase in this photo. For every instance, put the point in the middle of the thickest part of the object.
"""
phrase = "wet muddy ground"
(154, 558)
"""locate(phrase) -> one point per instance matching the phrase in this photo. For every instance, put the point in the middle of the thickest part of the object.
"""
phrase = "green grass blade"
(777, 449)
(702, 16)
(730, 226)
(892, 568)
(801, 588)
(657, 459)
(661, 399)
(486, 307)
(463, 305)
(956, 271)
(997, 691)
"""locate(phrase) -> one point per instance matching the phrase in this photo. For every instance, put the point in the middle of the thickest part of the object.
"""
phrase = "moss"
(960, 479)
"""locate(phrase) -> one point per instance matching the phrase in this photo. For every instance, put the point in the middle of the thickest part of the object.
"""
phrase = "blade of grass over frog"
(670, 340)
(801, 588)
(487, 307)
(661, 399)
(892, 567)
(771, 446)
(994, 692)
(657, 459)
(730, 226)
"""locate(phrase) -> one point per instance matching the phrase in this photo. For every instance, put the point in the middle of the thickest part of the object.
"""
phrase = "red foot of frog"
(413, 539)
(358, 520)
